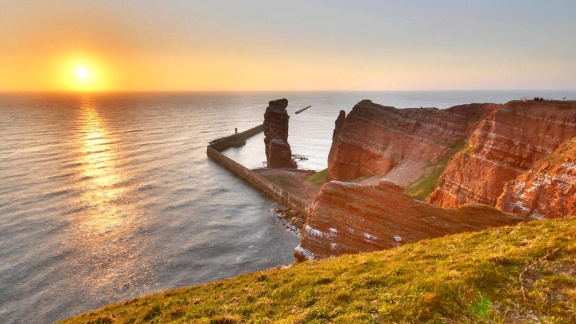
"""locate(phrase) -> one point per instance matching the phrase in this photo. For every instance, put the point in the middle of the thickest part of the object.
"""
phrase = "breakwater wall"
(235, 140)
(274, 190)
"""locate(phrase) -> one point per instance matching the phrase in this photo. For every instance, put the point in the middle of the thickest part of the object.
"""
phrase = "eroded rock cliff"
(378, 214)
(278, 152)
(339, 123)
(402, 144)
(519, 157)
(504, 145)
(548, 190)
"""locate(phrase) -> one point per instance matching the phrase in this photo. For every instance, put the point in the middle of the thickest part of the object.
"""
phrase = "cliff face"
(503, 146)
(519, 157)
(548, 190)
(476, 148)
(375, 215)
(399, 143)
(278, 152)
(339, 123)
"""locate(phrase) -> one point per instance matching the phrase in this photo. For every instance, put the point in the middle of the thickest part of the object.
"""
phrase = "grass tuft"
(225, 319)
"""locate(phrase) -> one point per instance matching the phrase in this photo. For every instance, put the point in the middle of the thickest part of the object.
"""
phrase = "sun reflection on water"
(101, 178)
(107, 219)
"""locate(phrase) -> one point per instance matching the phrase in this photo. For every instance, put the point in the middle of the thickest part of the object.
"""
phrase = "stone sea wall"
(235, 140)
(265, 185)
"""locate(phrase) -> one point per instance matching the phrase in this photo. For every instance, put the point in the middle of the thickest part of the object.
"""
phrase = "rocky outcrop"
(519, 157)
(505, 145)
(278, 152)
(548, 190)
(476, 148)
(339, 123)
(399, 143)
(375, 215)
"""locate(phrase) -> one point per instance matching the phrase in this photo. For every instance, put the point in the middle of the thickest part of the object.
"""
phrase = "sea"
(109, 196)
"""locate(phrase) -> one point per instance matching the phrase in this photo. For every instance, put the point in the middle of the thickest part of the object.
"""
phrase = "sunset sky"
(217, 45)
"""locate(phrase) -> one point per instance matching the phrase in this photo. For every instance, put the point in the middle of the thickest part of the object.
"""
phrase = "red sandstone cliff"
(503, 146)
(519, 157)
(548, 190)
(399, 143)
(375, 215)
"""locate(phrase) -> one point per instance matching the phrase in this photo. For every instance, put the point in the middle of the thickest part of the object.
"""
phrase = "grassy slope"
(319, 178)
(524, 273)
(425, 185)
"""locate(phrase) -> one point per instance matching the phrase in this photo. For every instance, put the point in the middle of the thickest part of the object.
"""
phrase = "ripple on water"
(108, 197)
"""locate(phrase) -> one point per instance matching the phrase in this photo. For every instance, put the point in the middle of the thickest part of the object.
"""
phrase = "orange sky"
(304, 45)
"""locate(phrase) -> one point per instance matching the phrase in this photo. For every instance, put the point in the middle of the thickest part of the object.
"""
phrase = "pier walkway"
(274, 190)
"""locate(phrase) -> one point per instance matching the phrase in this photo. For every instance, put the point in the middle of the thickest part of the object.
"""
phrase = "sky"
(254, 45)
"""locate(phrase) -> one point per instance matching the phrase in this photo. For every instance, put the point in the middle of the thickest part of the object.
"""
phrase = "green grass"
(423, 187)
(277, 179)
(523, 273)
(461, 143)
(466, 149)
(560, 104)
(319, 178)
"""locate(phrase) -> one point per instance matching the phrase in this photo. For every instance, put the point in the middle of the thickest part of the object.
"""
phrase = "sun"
(85, 78)
(82, 72)
(84, 75)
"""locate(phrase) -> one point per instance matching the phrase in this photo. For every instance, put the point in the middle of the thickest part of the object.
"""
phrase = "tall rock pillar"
(278, 152)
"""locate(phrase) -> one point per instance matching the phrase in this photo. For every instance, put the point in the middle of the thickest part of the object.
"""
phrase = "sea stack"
(278, 152)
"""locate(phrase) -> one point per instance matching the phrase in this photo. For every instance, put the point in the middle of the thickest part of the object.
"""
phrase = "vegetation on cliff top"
(560, 104)
(522, 273)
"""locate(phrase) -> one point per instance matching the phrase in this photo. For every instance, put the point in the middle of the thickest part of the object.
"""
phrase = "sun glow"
(84, 75)
(84, 79)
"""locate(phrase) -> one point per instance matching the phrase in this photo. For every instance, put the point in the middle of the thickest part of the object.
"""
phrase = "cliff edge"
(473, 166)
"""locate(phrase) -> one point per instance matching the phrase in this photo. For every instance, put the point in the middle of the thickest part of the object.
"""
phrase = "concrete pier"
(274, 190)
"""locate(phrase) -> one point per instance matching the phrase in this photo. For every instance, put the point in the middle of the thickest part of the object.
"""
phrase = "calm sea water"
(107, 197)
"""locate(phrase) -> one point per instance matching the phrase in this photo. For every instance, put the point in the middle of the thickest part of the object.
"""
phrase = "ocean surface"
(105, 197)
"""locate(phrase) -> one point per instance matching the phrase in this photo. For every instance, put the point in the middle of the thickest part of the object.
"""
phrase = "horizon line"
(264, 91)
